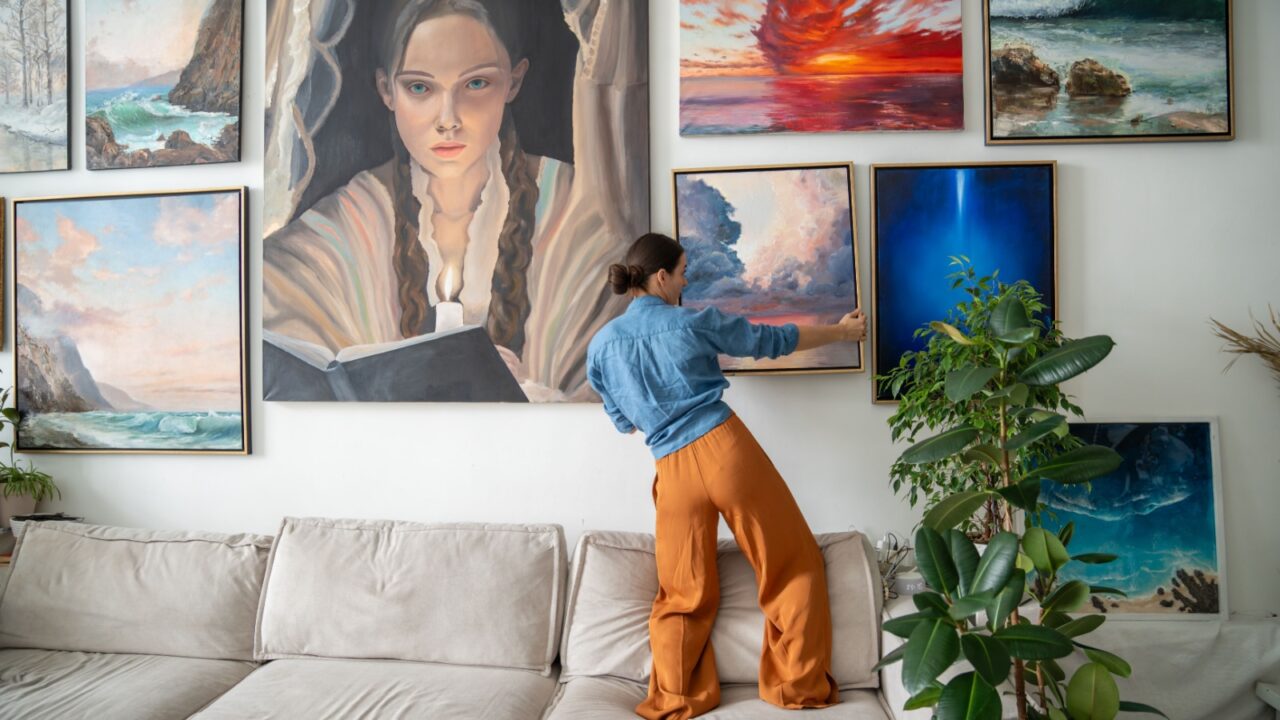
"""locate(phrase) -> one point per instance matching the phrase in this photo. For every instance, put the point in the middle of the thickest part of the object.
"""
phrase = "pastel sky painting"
(768, 242)
(147, 287)
(127, 41)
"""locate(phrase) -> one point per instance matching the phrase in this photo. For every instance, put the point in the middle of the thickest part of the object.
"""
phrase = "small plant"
(1266, 345)
(16, 480)
(994, 389)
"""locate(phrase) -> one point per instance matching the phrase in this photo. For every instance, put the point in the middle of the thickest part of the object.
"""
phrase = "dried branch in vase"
(1266, 345)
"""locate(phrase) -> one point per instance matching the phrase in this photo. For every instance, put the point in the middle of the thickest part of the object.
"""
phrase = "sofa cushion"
(97, 686)
(614, 580)
(122, 590)
(602, 698)
(468, 594)
(322, 688)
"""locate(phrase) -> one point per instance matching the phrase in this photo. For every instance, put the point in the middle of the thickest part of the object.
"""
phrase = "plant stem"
(1019, 682)
(1044, 702)
(1020, 685)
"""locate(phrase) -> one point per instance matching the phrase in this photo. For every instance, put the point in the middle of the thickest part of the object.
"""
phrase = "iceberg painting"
(130, 323)
(171, 98)
(33, 86)
(1160, 512)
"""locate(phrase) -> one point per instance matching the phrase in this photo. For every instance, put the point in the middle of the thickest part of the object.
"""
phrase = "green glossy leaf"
(932, 648)
(1137, 707)
(962, 384)
(1082, 625)
(1019, 337)
(1092, 694)
(1079, 465)
(987, 656)
(904, 625)
(1024, 495)
(923, 699)
(1055, 620)
(965, 556)
(1067, 361)
(969, 606)
(1045, 550)
(931, 602)
(996, 564)
(1068, 597)
(983, 454)
(950, 331)
(933, 559)
(1095, 558)
(11, 414)
(968, 697)
(1009, 597)
(1034, 642)
(1104, 590)
(1008, 316)
(1053, 669)
(1015, 394)
(1066, 532)
(1036, 431)
(1112, 662)
(939, 447)
(1056, 714)
(893, 657)
(955, 509)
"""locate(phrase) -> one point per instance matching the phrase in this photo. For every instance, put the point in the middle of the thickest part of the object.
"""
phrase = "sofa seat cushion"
(105, 686)
(324, 688)
(604, 698)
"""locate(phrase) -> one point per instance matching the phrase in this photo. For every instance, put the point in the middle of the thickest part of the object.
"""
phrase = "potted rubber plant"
(1007, 611)
(21, 487)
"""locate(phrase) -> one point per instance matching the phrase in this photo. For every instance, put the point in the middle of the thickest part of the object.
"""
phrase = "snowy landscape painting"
(33, 86)
(130, 323)
(162, 98)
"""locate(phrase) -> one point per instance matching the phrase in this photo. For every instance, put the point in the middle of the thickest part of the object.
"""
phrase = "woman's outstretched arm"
(851, 328)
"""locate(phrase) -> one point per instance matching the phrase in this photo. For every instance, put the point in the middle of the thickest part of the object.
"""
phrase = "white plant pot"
(15, 505)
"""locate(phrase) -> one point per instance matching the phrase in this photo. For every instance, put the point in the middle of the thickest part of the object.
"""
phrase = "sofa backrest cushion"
(614, 580)
(122, 590)
(461, 593)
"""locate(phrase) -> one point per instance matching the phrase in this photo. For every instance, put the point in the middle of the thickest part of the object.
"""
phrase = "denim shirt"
(656, 367)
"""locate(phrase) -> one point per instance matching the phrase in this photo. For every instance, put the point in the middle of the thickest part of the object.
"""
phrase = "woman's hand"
(851, 328)
(854, 326)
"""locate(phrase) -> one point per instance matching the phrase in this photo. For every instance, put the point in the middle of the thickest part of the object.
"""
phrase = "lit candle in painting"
(449, 311)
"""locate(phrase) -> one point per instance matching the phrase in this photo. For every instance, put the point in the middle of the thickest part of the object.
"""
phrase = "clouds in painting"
(123, 46)
(768, 241)
(106, 273)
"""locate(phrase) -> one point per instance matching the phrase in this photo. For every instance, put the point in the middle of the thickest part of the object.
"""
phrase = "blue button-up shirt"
(656, 367)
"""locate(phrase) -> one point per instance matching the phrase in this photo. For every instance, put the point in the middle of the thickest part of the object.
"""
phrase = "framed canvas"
(154, 104)
(34, 108)
(766, 67)
(1160, 512)
(130, 323)
(1002, 216)
(1060, 71)
(424, 249)
(775, 244)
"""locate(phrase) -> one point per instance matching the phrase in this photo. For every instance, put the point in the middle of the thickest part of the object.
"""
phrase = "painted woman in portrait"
(489, 155)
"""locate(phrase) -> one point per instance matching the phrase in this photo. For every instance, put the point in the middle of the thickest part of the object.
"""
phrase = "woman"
(460, 214)
(657, 370)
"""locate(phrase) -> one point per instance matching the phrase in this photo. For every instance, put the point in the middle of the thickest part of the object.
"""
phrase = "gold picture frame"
(69, 426)
(848, 167)
(875, 327)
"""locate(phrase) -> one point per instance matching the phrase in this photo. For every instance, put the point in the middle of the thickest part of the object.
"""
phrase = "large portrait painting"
(768, 66)
(775, 244)
(34, 118)
(446, 184)
(1001, 216)
(1160, 512)
(1108, 70)
(172, 102)
(130, 315)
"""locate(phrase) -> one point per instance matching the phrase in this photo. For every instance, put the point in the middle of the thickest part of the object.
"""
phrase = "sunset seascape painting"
(769, 66)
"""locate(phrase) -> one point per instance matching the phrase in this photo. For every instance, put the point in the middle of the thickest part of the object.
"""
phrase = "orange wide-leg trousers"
(725, 472)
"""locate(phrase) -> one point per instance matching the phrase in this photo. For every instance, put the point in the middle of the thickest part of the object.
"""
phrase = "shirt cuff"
(790, 338)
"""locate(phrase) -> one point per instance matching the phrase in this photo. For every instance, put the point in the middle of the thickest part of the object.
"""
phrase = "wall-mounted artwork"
(1160, 512)
(776, 245)
(33, 86)
(1108, 70)
(768, 66)
(446, 185)
(162, 82)
(1002, 216)
(130, 317)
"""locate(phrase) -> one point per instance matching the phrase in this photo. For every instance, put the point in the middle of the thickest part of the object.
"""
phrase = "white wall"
(1154, 240)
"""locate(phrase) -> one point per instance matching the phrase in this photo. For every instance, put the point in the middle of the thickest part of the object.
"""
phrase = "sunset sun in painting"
(762, 66)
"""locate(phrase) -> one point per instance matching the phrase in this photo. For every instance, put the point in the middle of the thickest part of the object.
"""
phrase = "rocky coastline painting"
(130, 323)
(770, 66)
(33, 86)
(1160, 512)
(1108, 70)
(776, 245)
(164, 90)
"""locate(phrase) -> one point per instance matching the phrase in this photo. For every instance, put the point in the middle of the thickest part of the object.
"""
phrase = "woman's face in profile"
(449, 94)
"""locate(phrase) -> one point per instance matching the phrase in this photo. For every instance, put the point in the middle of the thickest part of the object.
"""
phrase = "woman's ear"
(383, 84)
(517, 78)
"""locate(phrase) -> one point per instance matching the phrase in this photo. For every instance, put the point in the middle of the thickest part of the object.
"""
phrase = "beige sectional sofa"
(354, 619)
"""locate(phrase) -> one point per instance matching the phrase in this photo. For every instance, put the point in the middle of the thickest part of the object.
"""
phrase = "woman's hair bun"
(619, 279)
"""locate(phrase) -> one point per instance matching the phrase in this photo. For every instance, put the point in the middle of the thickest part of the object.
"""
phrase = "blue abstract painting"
(1000, 216)
(1157, 512)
